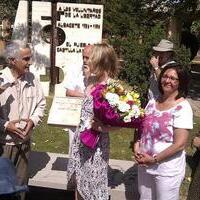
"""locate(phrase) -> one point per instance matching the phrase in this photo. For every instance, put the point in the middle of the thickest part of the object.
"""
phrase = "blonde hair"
(103, 59)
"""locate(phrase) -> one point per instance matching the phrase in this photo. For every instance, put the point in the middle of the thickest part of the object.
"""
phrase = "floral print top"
(157, 132)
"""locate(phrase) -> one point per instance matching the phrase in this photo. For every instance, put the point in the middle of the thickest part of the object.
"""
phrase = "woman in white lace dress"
(90, 166)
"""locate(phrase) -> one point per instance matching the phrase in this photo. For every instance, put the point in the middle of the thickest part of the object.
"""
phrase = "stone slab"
(49, 170)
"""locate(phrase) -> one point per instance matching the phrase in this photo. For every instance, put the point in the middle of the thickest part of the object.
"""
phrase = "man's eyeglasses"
(26, 59)
(171, 78)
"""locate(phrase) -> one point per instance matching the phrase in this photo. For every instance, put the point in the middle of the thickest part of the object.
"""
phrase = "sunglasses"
(27, 58)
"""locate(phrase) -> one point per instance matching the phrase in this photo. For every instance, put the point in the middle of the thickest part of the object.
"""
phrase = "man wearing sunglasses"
(163, 55)
(22, 105)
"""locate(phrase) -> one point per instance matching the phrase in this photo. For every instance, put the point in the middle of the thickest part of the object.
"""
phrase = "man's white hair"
(13, 49)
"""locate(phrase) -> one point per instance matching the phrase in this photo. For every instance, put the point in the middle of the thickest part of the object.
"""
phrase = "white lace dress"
(90, 166)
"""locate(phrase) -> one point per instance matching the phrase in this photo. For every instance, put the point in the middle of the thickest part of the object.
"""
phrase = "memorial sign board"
(65, 111)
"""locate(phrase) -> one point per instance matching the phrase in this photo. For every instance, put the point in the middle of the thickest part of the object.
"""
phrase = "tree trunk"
(174, 28)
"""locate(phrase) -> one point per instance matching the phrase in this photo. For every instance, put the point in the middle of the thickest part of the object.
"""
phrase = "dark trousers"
(18, 154)
(194, 190)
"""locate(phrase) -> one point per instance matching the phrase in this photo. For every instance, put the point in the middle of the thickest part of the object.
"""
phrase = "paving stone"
(48, 170)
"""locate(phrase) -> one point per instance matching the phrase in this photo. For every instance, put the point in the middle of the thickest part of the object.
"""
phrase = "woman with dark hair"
(162, 137)
(183, 79)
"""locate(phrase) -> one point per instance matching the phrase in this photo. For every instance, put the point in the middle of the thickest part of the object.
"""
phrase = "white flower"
(136, 111)
(131, 113)
(127, 119)
(123, 106)
(112, 98)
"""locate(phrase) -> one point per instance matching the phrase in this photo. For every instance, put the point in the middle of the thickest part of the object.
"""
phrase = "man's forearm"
(39, 110)
(157, 72)
(74, 93)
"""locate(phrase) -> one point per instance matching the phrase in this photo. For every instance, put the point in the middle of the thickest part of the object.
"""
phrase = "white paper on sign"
(65, 111)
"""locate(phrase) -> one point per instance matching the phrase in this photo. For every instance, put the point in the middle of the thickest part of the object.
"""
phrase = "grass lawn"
(55, 139)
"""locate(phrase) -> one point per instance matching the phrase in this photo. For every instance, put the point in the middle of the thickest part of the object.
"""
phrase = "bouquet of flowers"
(114, 106)
(126, 103)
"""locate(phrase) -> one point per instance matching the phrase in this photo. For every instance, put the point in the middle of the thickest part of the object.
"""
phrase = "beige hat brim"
(162, 49)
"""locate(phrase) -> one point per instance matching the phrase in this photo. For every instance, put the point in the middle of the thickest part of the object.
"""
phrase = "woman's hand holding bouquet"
(113, 106)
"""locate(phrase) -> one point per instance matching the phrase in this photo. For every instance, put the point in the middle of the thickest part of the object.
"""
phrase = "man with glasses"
(163, 55)
(22, 105)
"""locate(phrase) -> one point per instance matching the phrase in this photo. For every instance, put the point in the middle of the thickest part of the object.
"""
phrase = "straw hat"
(164, 45)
